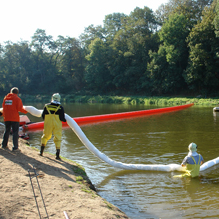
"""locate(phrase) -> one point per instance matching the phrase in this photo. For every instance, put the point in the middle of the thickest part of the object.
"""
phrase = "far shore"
(115, 99)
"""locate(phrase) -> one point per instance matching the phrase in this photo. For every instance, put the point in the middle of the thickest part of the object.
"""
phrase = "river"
(154, 139)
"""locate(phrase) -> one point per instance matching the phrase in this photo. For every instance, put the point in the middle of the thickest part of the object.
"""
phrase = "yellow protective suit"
(52, 125)
(192, 170)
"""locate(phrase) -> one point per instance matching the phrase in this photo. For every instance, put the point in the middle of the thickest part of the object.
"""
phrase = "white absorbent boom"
(153, 167)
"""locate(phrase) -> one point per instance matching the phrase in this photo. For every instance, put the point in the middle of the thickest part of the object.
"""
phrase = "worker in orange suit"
(12, 105)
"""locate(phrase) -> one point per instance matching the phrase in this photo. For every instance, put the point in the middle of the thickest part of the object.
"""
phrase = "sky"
(19, 19)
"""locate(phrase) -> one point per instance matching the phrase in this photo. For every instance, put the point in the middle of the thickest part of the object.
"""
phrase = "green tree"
(171, 59)
(2, 69)
(16, 66)
(71, 64)
(216, 19)
(97, 75)
(91, 33)
(192, 9)
(43, 50)
(130, 47)
(202, 74)
(113, 23)
(143, 26)
(157, 71)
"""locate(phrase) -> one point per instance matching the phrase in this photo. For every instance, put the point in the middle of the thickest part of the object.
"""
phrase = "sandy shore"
(66, 189)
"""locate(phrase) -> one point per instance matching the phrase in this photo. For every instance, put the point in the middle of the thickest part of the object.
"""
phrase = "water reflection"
(158, 195)
(158, 139)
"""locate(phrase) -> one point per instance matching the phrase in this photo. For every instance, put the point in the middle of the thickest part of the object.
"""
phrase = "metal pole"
(40, 192)
(66, 216)
(36, 174)
(34, 194)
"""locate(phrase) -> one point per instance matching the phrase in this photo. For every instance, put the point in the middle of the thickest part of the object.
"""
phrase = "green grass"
(132, 100)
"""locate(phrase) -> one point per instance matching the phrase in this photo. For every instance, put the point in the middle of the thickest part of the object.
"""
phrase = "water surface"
(155, 139)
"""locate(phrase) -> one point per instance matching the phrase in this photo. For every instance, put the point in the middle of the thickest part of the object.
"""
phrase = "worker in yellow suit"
(53, 115)
(192, 162)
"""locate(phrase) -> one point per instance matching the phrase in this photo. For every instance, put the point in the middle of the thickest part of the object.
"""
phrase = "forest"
(173, 51)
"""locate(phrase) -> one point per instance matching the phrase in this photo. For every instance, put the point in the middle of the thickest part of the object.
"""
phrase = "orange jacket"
(12, 105)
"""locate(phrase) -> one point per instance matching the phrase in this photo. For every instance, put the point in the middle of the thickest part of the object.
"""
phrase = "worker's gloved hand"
(0, 113)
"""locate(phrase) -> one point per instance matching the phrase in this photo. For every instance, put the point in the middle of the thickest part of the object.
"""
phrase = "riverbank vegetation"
(133, 100)
(170, 52)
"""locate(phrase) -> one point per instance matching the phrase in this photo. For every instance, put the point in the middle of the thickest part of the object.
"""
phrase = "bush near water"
(133, 100)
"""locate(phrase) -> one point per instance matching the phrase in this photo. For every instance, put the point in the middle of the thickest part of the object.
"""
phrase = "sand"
(67, 191)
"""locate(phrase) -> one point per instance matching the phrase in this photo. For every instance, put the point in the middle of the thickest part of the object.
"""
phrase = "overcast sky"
(21, 18)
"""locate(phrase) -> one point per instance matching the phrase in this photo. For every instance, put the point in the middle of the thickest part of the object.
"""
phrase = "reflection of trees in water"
(160, 189)
(134, 174)
(216, 116)
(210, 176)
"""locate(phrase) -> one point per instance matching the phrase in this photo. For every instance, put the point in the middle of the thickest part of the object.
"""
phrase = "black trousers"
(15, 129)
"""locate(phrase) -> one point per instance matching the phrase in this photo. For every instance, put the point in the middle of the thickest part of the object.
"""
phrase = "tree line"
(173, 51)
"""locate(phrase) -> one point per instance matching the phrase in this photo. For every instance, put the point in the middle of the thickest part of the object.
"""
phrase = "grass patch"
(110, 206)
(79, 170)
(85, 189)
(79, 179)
(88, 190)
(133, 100)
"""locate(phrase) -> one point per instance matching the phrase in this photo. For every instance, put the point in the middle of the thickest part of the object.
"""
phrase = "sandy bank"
(64, 186)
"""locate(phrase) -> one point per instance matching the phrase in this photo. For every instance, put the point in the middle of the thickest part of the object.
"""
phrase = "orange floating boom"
(114, 116)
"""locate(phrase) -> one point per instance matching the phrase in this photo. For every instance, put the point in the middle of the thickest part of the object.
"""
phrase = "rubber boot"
(41, 150)
(57, 154)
